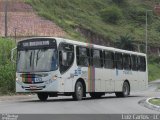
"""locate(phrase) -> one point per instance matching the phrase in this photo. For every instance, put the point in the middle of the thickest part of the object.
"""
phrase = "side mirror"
(12, 55)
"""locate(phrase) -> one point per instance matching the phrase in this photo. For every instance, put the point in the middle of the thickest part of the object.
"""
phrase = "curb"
(152, 105)
(145, 103)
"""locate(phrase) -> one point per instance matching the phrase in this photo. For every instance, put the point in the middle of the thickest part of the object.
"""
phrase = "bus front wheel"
(42, 96)
(78, 94)
(125, 90)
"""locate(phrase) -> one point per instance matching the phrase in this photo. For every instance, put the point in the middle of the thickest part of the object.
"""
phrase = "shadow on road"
(84, 99)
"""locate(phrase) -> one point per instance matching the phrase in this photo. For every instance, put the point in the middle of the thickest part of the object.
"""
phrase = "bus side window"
(66, 56)
(97, 58)
(109, 60)
(126, 62)
(134, 62)
(142, 63)
(119, 61)
(82, 56)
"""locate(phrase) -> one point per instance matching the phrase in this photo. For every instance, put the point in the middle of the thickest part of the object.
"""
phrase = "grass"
(70, 14)
(154, 67)
(154, 71)
(7, 68)
(155, 101)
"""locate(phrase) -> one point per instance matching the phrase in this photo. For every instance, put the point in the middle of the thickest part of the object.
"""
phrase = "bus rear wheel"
(125, 90)
(42, 96)
(78, 94)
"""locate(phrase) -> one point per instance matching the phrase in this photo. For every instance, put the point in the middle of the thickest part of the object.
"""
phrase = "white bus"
(56, 66)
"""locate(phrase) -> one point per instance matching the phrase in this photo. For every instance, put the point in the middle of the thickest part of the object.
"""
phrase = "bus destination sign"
(37, 43)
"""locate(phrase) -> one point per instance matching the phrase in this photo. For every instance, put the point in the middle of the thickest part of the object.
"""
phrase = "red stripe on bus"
(29, 78)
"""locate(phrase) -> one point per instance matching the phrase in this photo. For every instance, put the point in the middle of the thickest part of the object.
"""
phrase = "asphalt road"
(65, 105)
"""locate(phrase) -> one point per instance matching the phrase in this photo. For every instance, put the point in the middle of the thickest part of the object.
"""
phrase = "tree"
(126, 42)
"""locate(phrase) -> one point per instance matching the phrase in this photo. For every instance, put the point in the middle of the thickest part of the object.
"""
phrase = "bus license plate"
(37, 80)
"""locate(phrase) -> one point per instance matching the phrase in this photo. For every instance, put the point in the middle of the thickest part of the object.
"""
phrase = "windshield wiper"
(31, 59)
(38, 57)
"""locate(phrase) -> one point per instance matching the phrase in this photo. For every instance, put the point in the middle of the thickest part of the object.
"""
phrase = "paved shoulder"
(15, 97)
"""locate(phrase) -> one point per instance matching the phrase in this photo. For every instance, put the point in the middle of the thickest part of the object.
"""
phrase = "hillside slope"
(85, 18)
(26, 22)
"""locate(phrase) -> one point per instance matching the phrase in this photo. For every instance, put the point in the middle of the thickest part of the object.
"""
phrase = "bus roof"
(89, 45)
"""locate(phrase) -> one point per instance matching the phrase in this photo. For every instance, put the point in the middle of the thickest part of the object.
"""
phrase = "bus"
(50, 66)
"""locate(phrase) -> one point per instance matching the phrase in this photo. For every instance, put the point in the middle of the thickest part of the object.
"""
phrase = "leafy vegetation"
(125, 42)
(154, 67)
(154, 70)
(126, 16)
(119, 1)
(111, 14)
(7, 69)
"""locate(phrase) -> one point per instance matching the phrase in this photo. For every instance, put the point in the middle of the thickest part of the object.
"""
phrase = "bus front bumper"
(41, 87)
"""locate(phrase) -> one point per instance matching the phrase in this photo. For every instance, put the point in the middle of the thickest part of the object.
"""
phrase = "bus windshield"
(37, 60)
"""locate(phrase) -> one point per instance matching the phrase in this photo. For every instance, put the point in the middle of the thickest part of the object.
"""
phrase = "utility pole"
(15, 33)
(146, 29)
(6, 18)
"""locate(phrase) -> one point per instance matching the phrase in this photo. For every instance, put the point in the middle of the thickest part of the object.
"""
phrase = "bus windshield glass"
(41, 59)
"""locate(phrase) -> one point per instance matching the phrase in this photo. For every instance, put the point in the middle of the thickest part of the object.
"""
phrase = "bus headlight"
(17, 79)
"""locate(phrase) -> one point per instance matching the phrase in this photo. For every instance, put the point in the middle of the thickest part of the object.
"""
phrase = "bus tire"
(125, 90)
(42, 96)
(78, 94)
